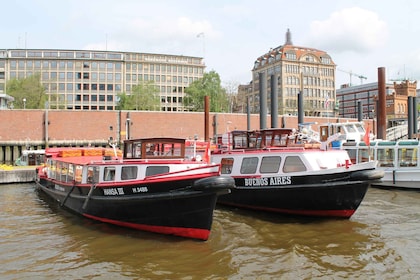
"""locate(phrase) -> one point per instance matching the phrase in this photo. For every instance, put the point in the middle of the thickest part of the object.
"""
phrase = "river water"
(38, 240)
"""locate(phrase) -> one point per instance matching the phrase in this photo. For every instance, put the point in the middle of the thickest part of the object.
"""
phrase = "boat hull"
(400, 179)
(186, 212)
(333, 199)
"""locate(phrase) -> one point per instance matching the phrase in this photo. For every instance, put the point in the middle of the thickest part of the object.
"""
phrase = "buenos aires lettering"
(269, 181)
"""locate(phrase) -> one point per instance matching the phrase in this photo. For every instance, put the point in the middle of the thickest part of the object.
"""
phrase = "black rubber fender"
(367, 175)
(214, 183)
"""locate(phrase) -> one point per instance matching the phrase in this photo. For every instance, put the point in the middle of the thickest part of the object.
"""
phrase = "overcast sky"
(360, 36)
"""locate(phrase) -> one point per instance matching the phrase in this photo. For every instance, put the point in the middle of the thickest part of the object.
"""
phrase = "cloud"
(352, 29)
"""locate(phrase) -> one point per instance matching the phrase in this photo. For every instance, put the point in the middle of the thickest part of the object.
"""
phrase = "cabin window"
(293, 164)
(154, 170)
(226, 165)
(385, 157)
(50, 168)
(249, 165)
(407, 157)
(365, 155)
(78, 173)
(109, 174)
(70, 173)
(63, 172)
(93, 174)
(128, 172)
(129, 150)
(270, 164)
(352, 155)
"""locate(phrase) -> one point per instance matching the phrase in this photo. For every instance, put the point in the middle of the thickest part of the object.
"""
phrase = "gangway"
(398, 132)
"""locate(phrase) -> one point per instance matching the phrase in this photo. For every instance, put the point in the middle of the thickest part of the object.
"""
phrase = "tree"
(209, 85)
(143, 96)
(125, 101)
(28, 92)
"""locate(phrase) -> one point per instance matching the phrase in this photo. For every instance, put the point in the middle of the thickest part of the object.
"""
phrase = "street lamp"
(24, 103)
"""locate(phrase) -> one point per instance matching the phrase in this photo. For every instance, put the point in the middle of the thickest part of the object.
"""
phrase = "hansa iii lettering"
(114, 191)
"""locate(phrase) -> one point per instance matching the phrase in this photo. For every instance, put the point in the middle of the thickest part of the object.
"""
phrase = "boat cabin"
(400, 154)
(271, 138)
(141, 159)
(31, 158)
(166, 148)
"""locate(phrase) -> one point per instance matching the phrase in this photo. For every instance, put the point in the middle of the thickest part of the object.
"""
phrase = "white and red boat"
(275, 172)
(156, 184)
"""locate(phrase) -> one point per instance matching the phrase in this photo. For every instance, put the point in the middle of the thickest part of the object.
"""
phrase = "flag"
(366, 138)
(327, 102)
(200, 35)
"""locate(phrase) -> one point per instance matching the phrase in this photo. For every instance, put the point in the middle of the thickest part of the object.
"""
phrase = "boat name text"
(59, 188)
(270, 181)
(114, 191)
(140, 189)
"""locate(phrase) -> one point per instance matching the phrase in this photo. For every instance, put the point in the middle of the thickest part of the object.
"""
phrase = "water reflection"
(381, 241)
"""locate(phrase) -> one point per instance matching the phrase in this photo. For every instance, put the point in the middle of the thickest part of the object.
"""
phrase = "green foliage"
(143, 96)
(29, 89)
(209, 85)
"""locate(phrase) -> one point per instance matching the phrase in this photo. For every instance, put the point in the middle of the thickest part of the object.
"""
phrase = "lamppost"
(24, 103)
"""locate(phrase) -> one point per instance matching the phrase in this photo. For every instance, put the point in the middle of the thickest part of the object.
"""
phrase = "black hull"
(329, 199)
(185, 212)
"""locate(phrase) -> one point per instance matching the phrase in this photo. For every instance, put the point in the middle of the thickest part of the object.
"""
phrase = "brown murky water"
(381, 241)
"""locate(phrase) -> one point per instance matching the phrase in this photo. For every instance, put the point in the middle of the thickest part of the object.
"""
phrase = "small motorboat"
(276, 171)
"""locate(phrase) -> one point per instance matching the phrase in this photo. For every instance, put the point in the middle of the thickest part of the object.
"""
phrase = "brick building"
(297, 69)
(396, 100)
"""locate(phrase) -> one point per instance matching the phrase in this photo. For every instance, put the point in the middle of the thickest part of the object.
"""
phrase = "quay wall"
(17, 176)
(20, 129)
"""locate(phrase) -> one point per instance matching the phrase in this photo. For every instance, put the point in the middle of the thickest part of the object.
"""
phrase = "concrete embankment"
(10, 175)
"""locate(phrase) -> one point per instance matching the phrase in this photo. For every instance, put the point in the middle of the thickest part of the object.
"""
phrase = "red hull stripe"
(196, 233)
(343, 213)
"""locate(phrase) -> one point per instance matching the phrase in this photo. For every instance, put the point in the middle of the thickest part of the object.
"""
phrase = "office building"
(91, 80)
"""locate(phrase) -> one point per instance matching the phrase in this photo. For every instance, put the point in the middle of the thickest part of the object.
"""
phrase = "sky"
(360, 36)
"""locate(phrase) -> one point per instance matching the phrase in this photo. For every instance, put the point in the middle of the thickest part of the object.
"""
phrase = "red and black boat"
(277, 172)
(156, 184)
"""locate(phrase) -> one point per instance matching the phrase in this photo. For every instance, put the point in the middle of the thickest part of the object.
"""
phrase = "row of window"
(66, 54)
(99, 55)
(269, 164)
(311, 81)
(69, 65)
(387, 157)
(108, 98)
(71, 87)
(110, 77)
(110, 66)
(318, 104)
(53, 87)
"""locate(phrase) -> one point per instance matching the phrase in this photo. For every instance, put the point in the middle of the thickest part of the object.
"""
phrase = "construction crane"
(361, 77)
